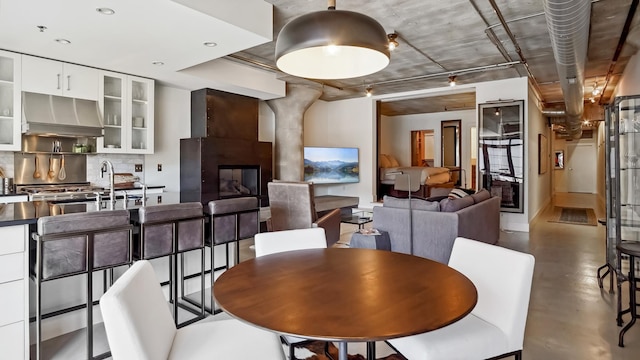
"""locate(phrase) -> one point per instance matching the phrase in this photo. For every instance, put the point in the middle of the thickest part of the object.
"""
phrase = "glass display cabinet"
(501, 152)
(622, 184)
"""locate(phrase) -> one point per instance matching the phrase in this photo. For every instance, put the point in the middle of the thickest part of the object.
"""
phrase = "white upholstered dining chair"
(495, 327)
(288, 240)
(139, 326)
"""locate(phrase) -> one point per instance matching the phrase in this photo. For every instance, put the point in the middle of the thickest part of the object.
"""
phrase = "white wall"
(628, 83)
(396, 135)
(172, 123)
(539, 184)
(347, 123)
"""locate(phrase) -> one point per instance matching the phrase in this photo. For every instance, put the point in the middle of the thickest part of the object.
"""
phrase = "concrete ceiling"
(436, 38)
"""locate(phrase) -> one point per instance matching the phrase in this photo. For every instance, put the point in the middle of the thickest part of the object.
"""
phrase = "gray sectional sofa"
(436, 224)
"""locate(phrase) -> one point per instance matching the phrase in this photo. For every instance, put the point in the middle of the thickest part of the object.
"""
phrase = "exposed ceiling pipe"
(568, 24)
(512, 37)
(623, 38)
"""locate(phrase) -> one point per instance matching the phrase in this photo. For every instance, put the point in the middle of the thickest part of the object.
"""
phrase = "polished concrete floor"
(569, 316)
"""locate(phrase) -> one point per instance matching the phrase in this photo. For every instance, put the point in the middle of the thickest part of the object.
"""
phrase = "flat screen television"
(331, 165)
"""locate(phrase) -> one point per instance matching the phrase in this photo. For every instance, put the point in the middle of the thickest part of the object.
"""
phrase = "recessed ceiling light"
(63, 41)
(158, 63)
(105, 11)
(210, 44)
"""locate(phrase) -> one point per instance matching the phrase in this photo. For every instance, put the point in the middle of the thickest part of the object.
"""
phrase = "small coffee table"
(358, 218)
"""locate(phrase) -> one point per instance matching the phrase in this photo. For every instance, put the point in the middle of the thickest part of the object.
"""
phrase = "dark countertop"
(28, 212)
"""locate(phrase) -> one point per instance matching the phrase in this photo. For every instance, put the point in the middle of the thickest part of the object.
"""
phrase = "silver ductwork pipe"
(568, 24)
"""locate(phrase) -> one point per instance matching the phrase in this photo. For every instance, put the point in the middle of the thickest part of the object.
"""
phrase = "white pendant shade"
(332, 44)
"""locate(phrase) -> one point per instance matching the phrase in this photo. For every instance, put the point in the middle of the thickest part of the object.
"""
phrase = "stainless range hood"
(61, 116)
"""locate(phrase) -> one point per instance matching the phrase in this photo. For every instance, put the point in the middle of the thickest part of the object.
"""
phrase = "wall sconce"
(497, 111)
(452, 80)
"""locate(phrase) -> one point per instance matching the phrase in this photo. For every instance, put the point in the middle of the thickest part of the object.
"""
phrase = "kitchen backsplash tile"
(121, 164)
(6, 163)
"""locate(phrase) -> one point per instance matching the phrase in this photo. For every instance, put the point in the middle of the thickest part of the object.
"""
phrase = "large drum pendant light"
(332, 44)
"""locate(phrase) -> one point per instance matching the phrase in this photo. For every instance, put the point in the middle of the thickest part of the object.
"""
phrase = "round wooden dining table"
(345, 295)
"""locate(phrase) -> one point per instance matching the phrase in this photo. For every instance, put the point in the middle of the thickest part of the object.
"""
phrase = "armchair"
(293, 207)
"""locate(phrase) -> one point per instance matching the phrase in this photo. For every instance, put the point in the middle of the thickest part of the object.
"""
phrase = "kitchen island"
(17, 223)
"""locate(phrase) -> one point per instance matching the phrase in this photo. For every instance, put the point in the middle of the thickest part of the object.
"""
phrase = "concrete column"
(289, 126)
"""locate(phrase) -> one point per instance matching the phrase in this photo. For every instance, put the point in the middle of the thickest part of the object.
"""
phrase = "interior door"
(581, 166)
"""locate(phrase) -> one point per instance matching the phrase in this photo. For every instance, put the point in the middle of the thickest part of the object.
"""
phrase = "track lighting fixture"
(593, 101)
(452, 80)
(596, 91)
(393, 43)
(368, 91)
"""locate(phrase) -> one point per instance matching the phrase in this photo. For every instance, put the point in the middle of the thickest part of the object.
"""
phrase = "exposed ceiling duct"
(568, 24)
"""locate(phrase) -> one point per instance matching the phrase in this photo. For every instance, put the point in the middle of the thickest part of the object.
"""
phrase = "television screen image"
(324, 165)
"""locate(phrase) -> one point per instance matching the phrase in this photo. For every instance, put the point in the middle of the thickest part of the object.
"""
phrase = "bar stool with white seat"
(78, 244)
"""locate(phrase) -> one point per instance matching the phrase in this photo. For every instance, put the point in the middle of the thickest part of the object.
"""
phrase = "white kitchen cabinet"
(52, 77)
(14, 290)
(127, 106)
(10, 101)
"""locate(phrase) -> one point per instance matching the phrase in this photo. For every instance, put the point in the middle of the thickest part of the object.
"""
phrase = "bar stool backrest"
(228, 215)
(157, 224)
(64, 242)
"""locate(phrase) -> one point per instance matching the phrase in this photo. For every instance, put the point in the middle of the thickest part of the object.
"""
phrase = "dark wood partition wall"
(224, 134)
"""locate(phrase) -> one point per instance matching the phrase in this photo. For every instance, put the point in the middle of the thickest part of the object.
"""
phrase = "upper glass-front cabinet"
(10, 101)
(126, 103)
(501, 153)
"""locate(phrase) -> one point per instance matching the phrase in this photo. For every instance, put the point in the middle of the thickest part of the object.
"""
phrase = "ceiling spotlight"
(328, 44)
(596, 91)
(593, 101)
(210, 44)
(368, 91)
(63, 41)
(105, 11)
(157, 63)
(497, 112)
(42, 28)
(586, 122)
(452, 81)
(393, 43)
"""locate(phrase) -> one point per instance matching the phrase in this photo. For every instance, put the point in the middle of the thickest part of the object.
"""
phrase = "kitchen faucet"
(104, 166)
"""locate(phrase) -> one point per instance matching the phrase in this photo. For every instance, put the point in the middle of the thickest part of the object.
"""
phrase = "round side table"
(632, 249)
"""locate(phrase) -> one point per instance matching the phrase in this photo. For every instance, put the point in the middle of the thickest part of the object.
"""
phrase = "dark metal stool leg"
(632, 301)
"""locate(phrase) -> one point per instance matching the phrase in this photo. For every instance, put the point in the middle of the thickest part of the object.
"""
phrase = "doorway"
(422, 148)
(581, 168)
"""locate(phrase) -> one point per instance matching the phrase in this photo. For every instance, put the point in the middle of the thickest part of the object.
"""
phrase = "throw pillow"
(457, 194)
(384, 161)
(480, 196)
(453, 205)
(416, 203)
(393, 161)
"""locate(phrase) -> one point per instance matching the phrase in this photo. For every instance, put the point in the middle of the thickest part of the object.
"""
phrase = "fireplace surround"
(223, 158)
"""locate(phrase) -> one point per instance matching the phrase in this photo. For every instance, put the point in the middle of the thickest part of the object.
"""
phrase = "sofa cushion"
(457, 194)
(480, 196)
(416, 204)
(453, 205)
(439, 191)
(437, 198)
